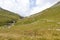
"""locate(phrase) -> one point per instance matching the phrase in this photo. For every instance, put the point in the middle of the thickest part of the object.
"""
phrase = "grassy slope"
(42, 26)
(6, 16)
(52, 14)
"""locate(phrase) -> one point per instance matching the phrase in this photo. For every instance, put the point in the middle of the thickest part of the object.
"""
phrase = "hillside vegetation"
(41, 26)
(6, 17)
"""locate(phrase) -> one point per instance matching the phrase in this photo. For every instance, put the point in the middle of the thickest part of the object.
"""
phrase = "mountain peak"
(58, 3)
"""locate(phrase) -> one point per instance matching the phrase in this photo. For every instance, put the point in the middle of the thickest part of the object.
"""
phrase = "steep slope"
(6, 17)
(50, 13)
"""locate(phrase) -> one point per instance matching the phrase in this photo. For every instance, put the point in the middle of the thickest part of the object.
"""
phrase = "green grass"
(42, 26)
(6, 17)
(47, 18)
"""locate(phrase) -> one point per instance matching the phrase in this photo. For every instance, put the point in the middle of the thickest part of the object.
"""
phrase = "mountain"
(7, 16)
(44, 25)
(41, 26)
(26, 7)
(51, 12)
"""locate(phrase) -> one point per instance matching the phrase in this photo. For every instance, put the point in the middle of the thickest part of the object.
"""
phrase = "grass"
(42, 26)
(6, 17)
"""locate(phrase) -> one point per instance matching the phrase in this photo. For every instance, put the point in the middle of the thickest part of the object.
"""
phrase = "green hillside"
(41, 26)
(52, 13)
(6, 17)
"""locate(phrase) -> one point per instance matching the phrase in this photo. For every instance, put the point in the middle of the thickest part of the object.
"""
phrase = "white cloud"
(26, 7)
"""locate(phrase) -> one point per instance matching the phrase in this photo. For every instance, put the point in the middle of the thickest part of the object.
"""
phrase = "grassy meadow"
(41, 26)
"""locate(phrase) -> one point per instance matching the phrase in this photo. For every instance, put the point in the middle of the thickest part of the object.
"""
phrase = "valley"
(44, 25)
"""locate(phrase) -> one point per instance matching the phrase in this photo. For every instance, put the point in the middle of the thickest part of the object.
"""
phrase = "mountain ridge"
(35, 17)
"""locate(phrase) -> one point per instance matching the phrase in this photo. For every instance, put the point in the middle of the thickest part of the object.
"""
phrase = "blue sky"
(26, 7)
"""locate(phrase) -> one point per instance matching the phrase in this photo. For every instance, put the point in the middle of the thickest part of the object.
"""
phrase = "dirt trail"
(9, 35)
(54, 29)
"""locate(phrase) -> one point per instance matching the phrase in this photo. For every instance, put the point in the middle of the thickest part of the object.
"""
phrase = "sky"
(26, 7)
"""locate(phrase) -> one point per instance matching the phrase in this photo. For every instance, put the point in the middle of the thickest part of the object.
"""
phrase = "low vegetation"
(6, 17)
(41, 26)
